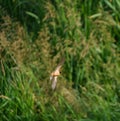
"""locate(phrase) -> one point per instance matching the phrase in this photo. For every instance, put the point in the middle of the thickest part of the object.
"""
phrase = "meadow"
(35, 35)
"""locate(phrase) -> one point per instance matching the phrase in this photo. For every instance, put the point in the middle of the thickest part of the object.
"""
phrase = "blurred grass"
(35, 35)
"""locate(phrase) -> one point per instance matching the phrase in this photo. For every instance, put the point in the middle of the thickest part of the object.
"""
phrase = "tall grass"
(86, 34)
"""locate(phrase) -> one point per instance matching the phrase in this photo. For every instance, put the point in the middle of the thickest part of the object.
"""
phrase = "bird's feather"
(60, 64)
(54, 82)
(56, 73)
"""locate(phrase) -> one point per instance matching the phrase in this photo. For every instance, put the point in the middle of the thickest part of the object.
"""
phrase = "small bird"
(54, 75)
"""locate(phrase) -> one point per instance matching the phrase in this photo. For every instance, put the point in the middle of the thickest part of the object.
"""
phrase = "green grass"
(35, 35)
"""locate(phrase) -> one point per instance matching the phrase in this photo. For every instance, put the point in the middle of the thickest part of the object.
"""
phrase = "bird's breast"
(56, 73)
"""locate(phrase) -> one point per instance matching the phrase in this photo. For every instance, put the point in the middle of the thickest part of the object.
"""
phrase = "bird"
(54, 75)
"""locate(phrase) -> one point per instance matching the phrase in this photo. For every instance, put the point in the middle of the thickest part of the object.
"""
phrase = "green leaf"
(33, 15)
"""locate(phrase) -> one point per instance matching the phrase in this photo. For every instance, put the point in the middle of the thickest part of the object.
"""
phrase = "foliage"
(86, 33)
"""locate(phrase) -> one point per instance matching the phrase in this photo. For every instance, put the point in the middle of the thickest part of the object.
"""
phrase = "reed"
(35, 35)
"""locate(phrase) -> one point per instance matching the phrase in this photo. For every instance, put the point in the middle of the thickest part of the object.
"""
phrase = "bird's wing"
(51, 77)
(60, 64)
(54, 82)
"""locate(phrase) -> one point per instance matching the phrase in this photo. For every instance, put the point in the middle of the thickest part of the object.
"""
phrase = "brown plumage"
(56, 73)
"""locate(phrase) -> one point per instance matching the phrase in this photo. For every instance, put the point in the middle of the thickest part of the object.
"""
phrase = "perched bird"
(54, 75)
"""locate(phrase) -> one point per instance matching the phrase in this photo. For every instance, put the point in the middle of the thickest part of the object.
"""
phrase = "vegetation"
(35, 35)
